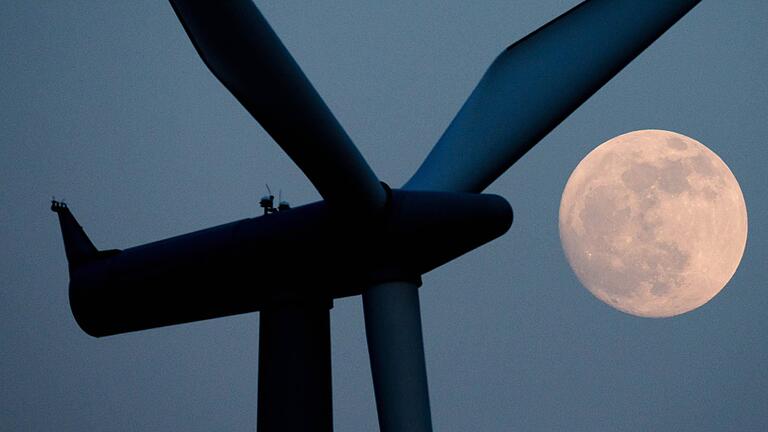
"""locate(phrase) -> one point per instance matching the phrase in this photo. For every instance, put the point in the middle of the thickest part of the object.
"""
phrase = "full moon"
(653, 223)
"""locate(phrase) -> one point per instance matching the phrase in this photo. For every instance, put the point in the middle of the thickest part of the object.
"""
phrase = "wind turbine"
(363, 238)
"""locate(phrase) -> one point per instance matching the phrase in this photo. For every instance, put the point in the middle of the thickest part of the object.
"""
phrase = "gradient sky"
(107, 105)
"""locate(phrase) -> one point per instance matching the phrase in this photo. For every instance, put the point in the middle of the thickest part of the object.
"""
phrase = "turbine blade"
(244, 53)
(536, 83)
(396, 351)
(527, 91)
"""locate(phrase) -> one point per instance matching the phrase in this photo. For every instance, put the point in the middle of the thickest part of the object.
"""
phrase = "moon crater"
(653, 223)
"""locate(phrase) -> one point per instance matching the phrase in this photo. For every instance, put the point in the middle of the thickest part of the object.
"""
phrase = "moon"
(653, 223)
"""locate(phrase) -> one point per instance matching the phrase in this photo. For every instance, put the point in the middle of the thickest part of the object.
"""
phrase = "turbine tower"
(363, 238)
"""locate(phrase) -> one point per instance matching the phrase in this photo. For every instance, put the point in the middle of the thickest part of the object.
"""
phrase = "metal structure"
(363, 238)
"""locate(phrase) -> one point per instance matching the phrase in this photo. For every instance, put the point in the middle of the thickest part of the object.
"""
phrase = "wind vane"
(363, 238)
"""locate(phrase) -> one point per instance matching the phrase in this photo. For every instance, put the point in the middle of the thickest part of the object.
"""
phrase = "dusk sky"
(108, 106)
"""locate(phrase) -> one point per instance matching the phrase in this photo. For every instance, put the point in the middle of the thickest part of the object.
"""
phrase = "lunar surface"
(653, 223)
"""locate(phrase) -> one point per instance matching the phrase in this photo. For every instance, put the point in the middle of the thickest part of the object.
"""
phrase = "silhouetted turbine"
(363, 238)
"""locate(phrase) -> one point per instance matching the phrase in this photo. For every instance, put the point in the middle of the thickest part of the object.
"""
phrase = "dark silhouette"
(363, 238)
